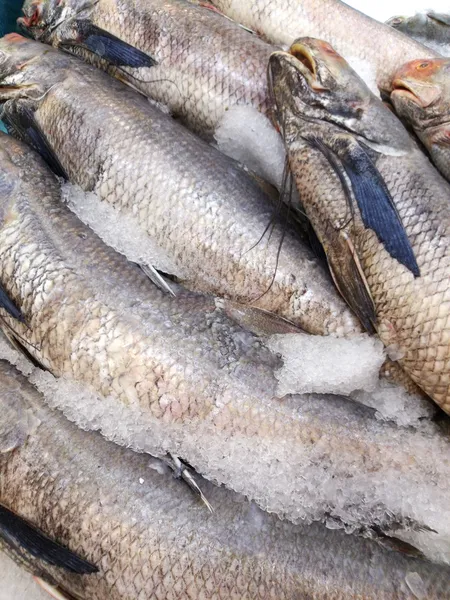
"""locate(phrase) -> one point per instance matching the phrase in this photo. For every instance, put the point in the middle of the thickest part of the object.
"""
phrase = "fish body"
(193, 60)
(212, 219)
(378, 206)
(163, 374)
(150, 538)
(429, 28)
(353, 34)
(419, 97)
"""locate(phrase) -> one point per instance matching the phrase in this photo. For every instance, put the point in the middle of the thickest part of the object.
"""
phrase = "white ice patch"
(326, 365)
(393, 403)
(118, 230)
(366, 71)
(249, 137)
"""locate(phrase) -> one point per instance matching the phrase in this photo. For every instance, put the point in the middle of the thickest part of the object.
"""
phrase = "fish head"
(312, 83)
(28, 69)
(42, 19)
(421, 92)
(409, 25)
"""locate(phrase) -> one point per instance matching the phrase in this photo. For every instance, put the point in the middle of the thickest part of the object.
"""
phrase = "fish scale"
(411, 312)
(163, 374)
(205, 212)
(150, 538)
(353, 34)
(202, 69)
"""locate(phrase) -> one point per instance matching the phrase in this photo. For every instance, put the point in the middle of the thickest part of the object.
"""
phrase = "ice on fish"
(118, 230)
(315, 364)
(250, 138)
(366, 71)
(322, 476)
(9, 353)
(393, 403)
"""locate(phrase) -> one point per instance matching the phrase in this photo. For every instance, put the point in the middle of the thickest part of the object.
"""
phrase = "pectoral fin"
(9, 305)
(350, 281)
(108, 47)
(22, 536)
(375, 204)
(21, 122)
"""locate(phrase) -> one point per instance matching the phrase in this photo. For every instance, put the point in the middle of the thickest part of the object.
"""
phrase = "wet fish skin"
(332, 125)
(419, 96)
(151, 538)
(353, 34)
(429, 28)
(206, 213)
(175, 375)
(201, 69)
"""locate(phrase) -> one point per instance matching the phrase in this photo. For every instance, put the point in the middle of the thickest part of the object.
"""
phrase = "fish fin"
(394, 543)
(7, 304)
(377, 209)
(20, 120)
(440, 136)
(349, 278)
(182, 471)
(18, 532)
(159, 280)
(442, 18)
(108, 47)
(259, 321)
(17, 344)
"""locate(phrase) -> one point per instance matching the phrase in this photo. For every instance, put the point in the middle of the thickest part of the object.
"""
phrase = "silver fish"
(430, 28)
(206, 213)
(149, 538)
(176, 375)
(354, 35)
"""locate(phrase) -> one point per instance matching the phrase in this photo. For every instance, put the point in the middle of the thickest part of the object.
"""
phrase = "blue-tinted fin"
(22, 536)
(9, 306)
(374, 200)
(20, 122)
(108, 47)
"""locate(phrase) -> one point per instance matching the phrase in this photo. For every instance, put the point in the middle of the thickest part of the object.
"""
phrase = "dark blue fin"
(20, 122)
(22, 536)
(108, 47)
(373, 198)
(9, 306)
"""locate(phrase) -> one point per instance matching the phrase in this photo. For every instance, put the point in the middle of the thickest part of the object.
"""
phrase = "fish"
(149, 538)
(419, 97)
(214, 222)
(354, 35)
(430, 28)
(177, 376)
(184, 55)
(377, 205)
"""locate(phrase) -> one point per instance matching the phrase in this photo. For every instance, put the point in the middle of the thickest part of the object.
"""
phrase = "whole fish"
(150, 538)
(212, 220)
(377, 205)
(419, 96)
(353, 34)
(430, 28)
(163, 374)
(187, 56)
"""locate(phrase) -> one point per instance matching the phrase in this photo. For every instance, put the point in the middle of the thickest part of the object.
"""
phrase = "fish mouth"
(424, 97)
(34, 18)
(305, 62)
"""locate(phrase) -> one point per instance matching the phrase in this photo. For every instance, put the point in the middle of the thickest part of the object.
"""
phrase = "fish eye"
(423, 65)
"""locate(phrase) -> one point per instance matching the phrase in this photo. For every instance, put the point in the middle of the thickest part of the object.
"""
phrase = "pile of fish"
(190, 196)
